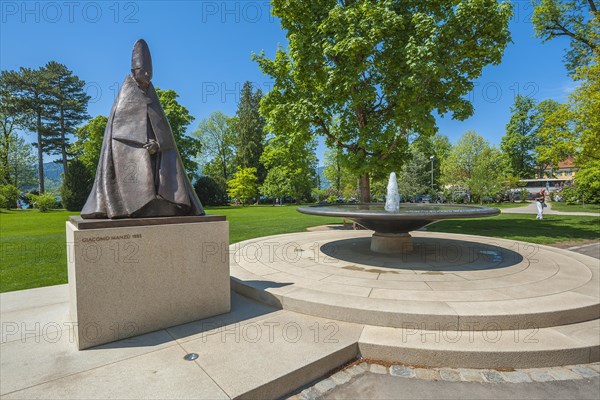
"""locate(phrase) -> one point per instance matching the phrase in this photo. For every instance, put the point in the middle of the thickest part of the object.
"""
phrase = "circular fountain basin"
(392, 228)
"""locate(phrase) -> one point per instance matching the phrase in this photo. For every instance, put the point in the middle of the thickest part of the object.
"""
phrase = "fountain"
(429, 298)
(392, 200)
(392, 222)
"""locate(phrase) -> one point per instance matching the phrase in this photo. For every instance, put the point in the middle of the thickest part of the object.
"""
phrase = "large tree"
(180, 118)
(475, 166)
(249, 131)
(577, 20)
(244, 185)
(10, 120)
(520, 140)
(215, 134)
(336, 171)
(29, 98)
(296, 159)
(439, 147)
(277, 185)
(21, 169)
(68, 107)
(556, 138)
(365, 74)
(414, 177)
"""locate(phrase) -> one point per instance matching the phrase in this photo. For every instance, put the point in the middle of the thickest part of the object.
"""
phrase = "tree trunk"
(63, 144)
(364, 188)
(40, 155)
(5, 161)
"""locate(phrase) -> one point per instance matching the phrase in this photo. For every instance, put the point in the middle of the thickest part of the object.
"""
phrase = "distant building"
(554, 178)
(566, 170)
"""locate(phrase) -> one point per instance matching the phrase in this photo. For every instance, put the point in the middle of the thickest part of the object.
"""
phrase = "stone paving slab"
(161, 374)
(290, 350)
(266, 357)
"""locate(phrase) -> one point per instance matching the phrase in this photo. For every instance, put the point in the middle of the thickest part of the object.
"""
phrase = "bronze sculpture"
(140, 173)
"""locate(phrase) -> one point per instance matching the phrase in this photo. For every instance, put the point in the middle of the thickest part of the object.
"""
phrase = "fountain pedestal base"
(391, 243)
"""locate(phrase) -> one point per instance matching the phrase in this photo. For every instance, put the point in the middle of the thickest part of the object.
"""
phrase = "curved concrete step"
(523, 348)
(529, 286)
(545, 311)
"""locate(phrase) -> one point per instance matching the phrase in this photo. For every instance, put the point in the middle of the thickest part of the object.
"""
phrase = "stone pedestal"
(133, 276)
(391, 243)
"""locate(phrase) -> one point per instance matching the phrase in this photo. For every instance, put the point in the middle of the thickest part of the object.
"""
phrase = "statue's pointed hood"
(141, 57)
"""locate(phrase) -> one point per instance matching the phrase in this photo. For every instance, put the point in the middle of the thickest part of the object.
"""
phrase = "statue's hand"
(152, 146)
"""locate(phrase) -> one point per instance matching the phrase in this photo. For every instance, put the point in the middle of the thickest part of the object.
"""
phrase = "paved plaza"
(305, 304)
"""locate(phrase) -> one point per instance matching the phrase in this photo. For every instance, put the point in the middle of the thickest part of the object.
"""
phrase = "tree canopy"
(180, 118)
(244, 185)
(88, 145)
(578, 20)
(520, 139)
(216, 136)
(365, 74)
(249, 128)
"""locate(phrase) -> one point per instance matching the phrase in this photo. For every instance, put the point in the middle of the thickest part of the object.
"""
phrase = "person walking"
(540, 202)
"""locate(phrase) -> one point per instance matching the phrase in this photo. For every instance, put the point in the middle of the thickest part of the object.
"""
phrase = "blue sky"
(202, 50)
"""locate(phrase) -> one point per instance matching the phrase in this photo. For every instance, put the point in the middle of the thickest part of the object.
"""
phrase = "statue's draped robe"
(130, 182)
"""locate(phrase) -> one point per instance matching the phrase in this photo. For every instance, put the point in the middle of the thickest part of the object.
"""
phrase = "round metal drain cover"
(190, 357)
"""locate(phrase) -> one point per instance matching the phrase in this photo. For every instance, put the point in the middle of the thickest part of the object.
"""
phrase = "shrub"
(524, 194)
(43, 202)
(211, 191)
(10, 193)
(76, 187)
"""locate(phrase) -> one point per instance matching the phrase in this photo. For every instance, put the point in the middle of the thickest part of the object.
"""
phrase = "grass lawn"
(524, 227)
(33, 253)
(33, 249)
(556, 206)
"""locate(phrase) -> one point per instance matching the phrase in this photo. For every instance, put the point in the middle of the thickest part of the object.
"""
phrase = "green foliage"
(577, 20)
(524, 194)
(9, 196)
(76, 187)
(366, 74)
(585, 105)
(474, 166)
(216, 136)
(50, 101)
(43, 202)
(249, 128)
(437, 146)
(276, 184)
(179, 119)
(520, 140)
(556, 138)
(297, 161)
(244, 185)
(415, 176)
(88, 145)
(26, 96)
(212, 191)
(19, 169)
(587, 182)
(337, 172)
(68, 107)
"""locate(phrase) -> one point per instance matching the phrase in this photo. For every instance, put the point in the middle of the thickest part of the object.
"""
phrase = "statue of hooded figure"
(140, 173)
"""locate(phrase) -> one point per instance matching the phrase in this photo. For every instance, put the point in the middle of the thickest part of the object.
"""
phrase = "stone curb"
(569, 372)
